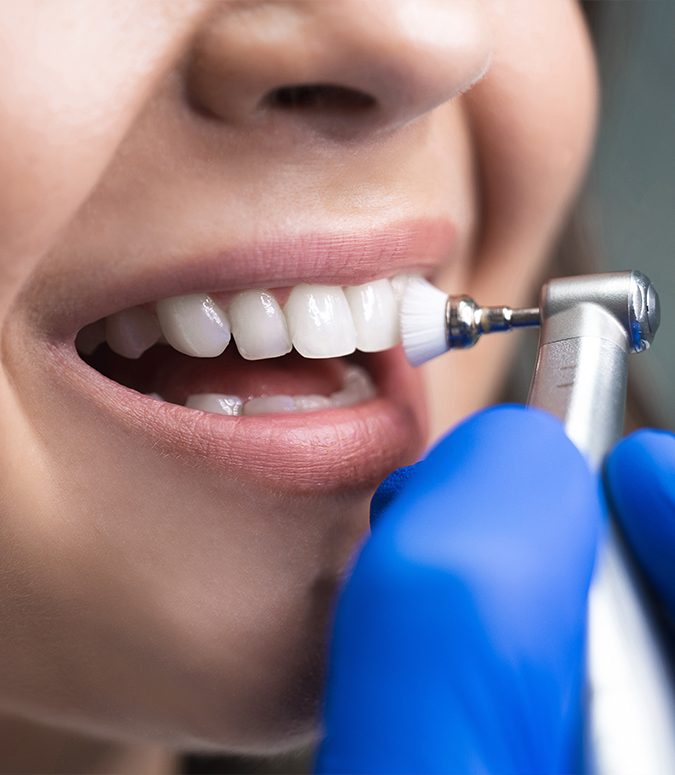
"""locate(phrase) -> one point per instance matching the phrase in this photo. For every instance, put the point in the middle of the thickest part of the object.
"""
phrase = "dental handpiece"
(589, 326)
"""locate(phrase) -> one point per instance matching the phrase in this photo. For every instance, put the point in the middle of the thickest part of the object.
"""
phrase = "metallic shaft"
(524, 318)
(466, 322)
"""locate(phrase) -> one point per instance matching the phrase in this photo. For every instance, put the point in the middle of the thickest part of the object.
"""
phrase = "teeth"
(357, 388)
(374, 311)
(320, 322)
(194, 325)
(258, 326)
(131, 332)
(311, 403)
(216, 403)
(269, 404)
(399, 284)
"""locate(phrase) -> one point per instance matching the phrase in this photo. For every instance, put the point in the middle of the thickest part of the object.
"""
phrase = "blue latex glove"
(459, 637)
(640, 475)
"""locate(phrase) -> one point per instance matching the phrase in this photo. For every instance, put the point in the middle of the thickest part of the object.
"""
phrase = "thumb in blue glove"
(640, 475)
(459, 636)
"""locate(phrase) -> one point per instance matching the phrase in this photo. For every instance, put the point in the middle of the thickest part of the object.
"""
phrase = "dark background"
(629, 205)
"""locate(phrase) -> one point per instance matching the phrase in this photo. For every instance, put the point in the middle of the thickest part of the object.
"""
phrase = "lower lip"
(330, 450)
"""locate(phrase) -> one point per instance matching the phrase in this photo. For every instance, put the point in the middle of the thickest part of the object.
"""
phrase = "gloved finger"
(640, 477)
(459, 637)
(389, 490)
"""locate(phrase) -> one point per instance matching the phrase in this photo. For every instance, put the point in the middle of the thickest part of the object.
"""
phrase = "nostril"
(319, 97)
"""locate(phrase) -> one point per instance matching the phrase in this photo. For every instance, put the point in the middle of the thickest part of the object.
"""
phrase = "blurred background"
(625, 218)
(629, 208)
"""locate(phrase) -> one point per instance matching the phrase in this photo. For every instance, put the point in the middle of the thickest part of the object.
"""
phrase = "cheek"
(533, 119)
(73, 76)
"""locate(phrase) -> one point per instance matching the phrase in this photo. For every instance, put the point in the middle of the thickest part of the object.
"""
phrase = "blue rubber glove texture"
(459, 637)
(640, 476)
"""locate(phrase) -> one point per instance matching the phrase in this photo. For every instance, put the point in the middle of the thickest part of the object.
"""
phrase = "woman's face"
(168, 573)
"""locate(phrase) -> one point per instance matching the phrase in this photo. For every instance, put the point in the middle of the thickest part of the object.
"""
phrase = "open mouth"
(254, 352)
(292, 377)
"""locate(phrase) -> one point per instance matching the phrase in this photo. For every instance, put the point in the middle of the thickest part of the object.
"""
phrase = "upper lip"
(335, 258)
(329, 450)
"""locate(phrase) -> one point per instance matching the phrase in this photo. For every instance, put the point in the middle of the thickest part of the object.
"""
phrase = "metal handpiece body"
(590, 325)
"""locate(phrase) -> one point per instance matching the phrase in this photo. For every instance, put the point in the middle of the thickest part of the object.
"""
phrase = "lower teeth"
(357, 388)
(213, 402)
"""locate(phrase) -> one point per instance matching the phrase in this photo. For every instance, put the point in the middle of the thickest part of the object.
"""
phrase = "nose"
(337, 64)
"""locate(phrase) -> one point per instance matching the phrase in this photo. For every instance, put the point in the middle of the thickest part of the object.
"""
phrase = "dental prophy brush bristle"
(423, 329)
(433, 322)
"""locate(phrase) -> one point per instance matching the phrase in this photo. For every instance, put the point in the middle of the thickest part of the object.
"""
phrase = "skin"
(135, 605)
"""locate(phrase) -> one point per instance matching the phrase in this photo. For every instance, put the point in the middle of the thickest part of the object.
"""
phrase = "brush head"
(423, 326)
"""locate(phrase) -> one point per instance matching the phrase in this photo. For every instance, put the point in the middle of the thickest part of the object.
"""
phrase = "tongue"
(176, 376)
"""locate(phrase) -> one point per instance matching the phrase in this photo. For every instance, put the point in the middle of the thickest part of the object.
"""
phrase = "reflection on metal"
(466, 322)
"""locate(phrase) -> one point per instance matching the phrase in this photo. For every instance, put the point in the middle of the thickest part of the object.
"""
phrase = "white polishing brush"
(433, 322)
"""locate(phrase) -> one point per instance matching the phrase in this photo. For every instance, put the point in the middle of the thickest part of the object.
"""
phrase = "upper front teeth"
(259, 326)
(320, 321)
(375, 314)
(194, 325)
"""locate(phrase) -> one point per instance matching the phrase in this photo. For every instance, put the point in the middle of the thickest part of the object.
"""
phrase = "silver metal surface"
(466, 322)
(629, 299)
(583, 382)
(590, 324)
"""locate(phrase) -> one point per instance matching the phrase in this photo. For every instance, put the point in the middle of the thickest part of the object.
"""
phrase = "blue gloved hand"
(640, 477)
(459, 637)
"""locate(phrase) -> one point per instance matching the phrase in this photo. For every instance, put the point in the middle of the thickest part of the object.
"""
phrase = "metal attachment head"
(644, 312)
(619, 306)
(461, 322)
